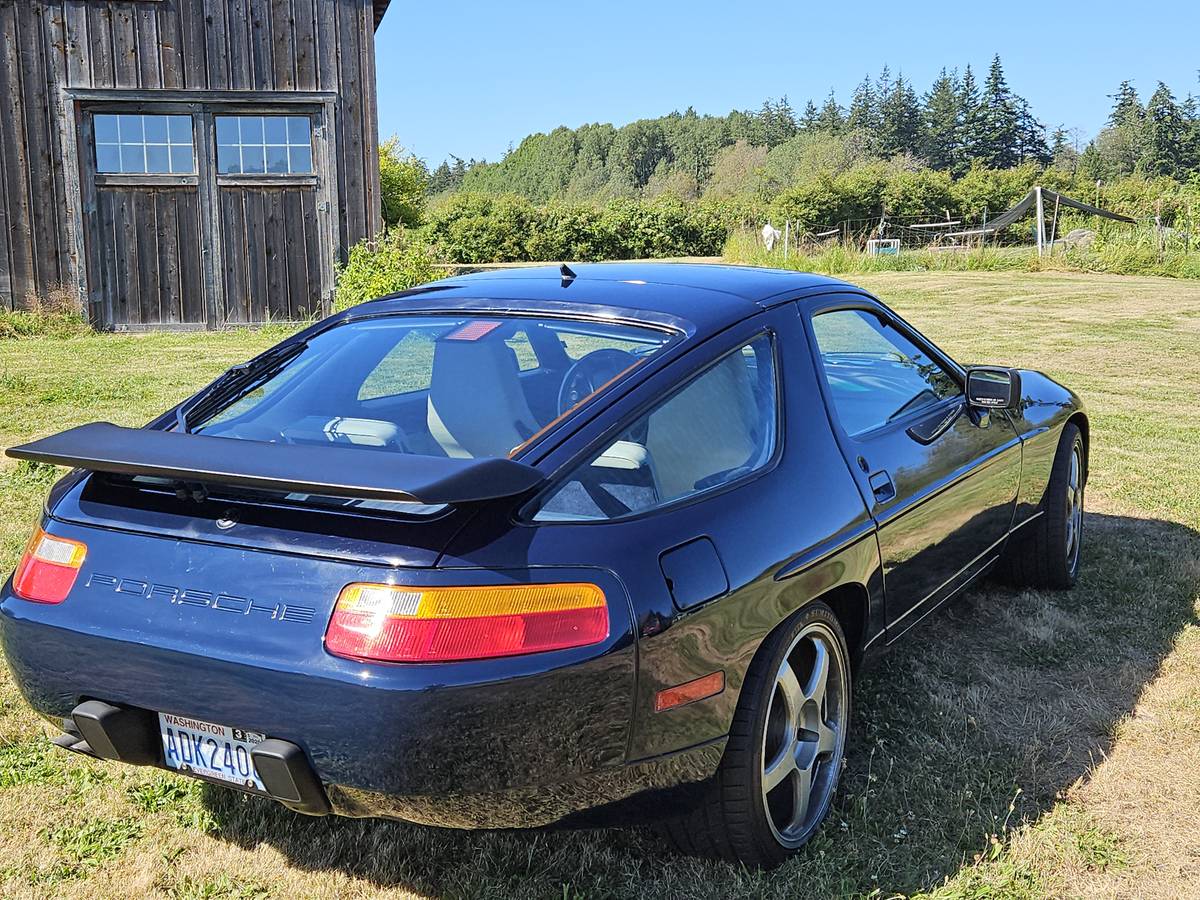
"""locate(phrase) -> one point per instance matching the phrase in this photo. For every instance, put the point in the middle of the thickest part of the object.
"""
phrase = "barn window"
(143, 145)
(264, 145)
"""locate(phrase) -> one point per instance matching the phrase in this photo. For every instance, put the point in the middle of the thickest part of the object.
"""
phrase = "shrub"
(393, 263)
(403, 181)
(481, 228)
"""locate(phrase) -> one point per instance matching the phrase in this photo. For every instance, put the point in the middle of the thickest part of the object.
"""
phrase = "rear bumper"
(524, 751)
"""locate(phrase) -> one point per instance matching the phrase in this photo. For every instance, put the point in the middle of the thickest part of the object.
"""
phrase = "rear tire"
(785, 751)
(1046, 552)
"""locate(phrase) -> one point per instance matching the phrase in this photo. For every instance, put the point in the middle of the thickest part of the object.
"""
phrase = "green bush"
(482, 228)
(393, 263)
(403, 181)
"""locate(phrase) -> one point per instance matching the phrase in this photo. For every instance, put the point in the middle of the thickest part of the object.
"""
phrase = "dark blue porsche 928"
(539, 546)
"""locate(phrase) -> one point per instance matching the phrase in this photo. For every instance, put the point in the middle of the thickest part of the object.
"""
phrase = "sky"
(472, 78)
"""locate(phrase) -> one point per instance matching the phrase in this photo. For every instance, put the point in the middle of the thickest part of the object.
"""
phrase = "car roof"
(708, 296)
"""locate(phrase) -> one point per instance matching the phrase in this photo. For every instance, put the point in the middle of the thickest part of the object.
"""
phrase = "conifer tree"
(864, 108)
(969, 115)
(899, 120)
(941, 136)
(1127, 107)
(812, 118)
(1164, 135)
(832, 117)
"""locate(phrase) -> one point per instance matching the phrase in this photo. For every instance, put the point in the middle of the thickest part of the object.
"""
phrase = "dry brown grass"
(1021, 745)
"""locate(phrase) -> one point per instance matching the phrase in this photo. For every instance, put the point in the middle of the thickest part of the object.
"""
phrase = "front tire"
(1046, 552)
(786, 747)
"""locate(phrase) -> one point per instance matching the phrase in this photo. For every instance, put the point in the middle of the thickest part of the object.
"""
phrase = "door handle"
(881, 484)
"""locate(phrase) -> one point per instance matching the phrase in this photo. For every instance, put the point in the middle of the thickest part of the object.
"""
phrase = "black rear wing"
(329, 471)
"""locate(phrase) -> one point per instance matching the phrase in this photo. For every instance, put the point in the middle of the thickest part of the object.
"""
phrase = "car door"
(939, 478)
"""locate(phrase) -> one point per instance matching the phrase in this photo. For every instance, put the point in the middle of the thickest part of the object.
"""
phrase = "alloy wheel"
(1074, 509)
(804, 738)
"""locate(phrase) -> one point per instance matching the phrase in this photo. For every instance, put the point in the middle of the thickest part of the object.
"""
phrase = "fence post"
(1041, 220)
(787, 234)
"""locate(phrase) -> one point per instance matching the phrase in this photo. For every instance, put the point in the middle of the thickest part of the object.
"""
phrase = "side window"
(716, 428)
(875, 373)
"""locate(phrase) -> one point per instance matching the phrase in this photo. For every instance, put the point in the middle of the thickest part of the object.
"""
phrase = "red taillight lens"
(48, 568)
(392, 623)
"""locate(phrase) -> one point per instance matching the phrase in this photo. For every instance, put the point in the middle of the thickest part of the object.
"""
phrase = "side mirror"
(993, 387)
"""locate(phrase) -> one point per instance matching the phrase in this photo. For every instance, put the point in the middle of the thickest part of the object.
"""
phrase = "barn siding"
(48, 46)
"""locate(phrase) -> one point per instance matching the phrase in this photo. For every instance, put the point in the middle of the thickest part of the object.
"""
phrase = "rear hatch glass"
(468, 387)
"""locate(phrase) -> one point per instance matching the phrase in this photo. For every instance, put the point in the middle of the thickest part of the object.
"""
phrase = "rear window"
(459, 386)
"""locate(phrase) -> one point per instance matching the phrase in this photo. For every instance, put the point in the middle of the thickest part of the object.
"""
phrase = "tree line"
(960, 122)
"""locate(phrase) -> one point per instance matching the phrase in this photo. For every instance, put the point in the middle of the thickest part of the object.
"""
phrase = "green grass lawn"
(1023, 744)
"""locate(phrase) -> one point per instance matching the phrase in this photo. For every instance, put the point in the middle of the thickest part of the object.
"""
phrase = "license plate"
(209, 750)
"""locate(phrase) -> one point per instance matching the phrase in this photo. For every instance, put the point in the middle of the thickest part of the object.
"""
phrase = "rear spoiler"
(290, 468)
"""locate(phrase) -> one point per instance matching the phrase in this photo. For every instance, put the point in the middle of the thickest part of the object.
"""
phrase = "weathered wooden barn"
(185, 163)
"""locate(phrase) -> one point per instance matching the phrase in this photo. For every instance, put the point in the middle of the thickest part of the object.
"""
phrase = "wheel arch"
(1080, 420)
(850, 603)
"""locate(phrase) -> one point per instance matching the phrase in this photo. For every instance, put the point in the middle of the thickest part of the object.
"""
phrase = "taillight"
(394, 623)
(48, 568)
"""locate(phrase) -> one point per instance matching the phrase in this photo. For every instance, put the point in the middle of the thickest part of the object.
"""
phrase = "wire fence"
(893, 234)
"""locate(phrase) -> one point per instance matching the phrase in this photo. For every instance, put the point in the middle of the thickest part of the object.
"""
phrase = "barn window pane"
(274, 145)
(180, 128)
(301, 159)
(275, 130)
(137, 144)
(298, 128)
(108, 158)
(133, 158)
(277, 159)
(227, 130)
(158, 159)
(155, 128)
(106, 130)
(252, 129)
(131, 129)
(181, 158)
(253, 161)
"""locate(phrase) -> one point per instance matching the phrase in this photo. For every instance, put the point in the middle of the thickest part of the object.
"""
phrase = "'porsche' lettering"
(231, 603)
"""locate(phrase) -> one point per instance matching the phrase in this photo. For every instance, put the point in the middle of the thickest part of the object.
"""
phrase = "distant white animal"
(770, 235)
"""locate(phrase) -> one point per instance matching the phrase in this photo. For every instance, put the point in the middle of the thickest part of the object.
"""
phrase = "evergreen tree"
(1190, 152)
(1031, 134)
(1127, 107)
(941, 132)
(832, 117)
(883, 86)
(864, 108)
(1062, 151)
(1165, 133)
(778, 122)
(971, 136)
(899, 120)
(811, 119)
(999, 133)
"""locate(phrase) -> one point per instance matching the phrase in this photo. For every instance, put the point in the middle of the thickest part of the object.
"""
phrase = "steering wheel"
(591, 372)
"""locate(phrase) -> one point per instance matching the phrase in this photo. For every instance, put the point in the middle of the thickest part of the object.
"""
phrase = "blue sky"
(470, 78)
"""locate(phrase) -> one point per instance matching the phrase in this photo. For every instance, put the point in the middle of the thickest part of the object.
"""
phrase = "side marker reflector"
(690, 691)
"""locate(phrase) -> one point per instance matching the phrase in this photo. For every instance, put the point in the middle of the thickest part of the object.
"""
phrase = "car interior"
(481, 388)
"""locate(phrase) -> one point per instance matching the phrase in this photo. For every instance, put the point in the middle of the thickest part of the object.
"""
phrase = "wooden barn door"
(206, 214)
(144, 225)
(272, 211)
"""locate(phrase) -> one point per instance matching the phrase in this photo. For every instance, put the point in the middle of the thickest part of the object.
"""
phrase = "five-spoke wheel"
(780, 770)
(803, 738)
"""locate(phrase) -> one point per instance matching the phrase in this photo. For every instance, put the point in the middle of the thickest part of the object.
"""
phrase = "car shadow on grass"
(980, 719)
